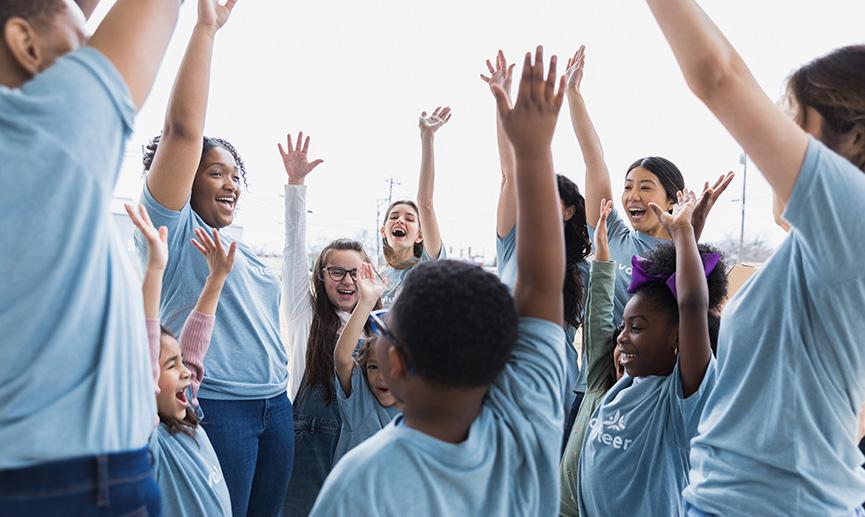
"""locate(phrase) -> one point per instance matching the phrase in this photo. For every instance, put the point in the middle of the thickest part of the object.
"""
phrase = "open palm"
(431, 123)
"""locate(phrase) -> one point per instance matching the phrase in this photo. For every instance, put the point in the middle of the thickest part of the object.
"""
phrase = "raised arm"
(370, 291)
(179, 152)
(432, 239)
(198, 329)
(151, 287)
(598, 185)
(506, 212)
(720, 78)
(692, 293)
(134, 36)
(540, 248)
(707, 201)
(295, 268)
(599, 306)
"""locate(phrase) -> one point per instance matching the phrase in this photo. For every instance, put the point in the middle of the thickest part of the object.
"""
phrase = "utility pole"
(743, 160)
(390, 183)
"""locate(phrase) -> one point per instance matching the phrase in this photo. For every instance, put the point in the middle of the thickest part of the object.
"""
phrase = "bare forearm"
(151, 289)
(208, 300)
(598, 185)
(134, 36)
(188, 103)
(702, 51)
(345, 345)
(426, 183)
(691, 288)
(541, 252)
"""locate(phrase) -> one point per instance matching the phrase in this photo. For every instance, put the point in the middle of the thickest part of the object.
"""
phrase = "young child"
(75, 389)
(366, 404)
(778, 434)
(402, 240)
(187, 469)
(601, 371)
(634, 459)
(480, 383)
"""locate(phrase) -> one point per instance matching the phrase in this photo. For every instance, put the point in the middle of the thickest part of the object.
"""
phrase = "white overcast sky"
(355, 75)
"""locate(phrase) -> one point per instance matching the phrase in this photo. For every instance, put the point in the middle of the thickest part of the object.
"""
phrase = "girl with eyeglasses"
(315, 319)
(365, 402)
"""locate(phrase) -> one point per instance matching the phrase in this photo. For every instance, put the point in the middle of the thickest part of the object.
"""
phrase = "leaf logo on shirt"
(616, 421)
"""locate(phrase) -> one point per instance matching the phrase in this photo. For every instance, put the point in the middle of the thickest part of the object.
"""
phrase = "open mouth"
(226, 202)
(626, 358)
(636, 214)
(345, 292)
(398, 232)
(181, 396)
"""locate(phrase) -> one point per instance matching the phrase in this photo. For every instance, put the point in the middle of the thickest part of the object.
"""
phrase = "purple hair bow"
(640, 276)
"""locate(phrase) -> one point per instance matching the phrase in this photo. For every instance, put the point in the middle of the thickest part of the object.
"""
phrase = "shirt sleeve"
(295, 268)
(599, 324)
(180, 224)
(83, 102)
(534, 377)
(691, 408)
(825, 205)
(506, 247)
(194, 342)
(352, 406)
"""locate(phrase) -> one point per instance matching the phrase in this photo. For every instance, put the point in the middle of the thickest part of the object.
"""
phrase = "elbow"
(713, 75)
(693, 303)
(180, 131)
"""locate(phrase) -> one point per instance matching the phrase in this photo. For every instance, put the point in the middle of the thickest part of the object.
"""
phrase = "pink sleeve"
(194, 342)
(153, 333)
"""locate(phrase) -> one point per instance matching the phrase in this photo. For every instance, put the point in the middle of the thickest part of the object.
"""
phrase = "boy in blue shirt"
(481, 383)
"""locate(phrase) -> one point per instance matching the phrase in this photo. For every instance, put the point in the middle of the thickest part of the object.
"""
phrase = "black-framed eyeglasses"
(380, 328)
(337, 273)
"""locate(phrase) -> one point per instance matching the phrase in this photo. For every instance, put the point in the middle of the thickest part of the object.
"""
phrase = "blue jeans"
(316, 432)
(254, 441)
(119, 484)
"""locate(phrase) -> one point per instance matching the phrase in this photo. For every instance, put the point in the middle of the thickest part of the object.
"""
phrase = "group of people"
(602, 372)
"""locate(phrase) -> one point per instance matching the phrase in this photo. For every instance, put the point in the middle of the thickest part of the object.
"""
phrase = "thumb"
(315, 164)
(501, 100)
(657, 209)
(163, 234)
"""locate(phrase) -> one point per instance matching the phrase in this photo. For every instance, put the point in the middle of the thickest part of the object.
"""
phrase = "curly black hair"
(38, 13)
(209, 143)
(578, 246)
(456, 322)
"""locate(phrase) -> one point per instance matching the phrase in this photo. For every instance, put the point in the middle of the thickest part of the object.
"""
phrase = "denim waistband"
(76, 475)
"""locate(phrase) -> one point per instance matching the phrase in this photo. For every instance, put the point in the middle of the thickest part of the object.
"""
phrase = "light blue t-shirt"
(188, 474)
(509, 462)
(247, 359)
(362, 415)
(394, 278)
(506, 259)
(75, 377)
(625, 243)
(634, 459)
(779, 432)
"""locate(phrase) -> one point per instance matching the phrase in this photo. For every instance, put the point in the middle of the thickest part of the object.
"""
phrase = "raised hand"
(574, 72)
(157, 239)
(295, 161)
(213, 14)
(430, 124)
(218, 261)
(501, 74)
(370, 287)
(683, 210)
(602, 245)
(531, 122)
(707, 201)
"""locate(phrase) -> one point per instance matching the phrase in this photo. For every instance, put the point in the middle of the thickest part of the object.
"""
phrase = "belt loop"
(102, 481)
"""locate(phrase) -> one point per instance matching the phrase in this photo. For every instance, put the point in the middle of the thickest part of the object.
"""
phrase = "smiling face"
(642, 187)
(377, 385)
(401, 229)
(216, 188)
(174, 378)
(649, 339)
(342, 293)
